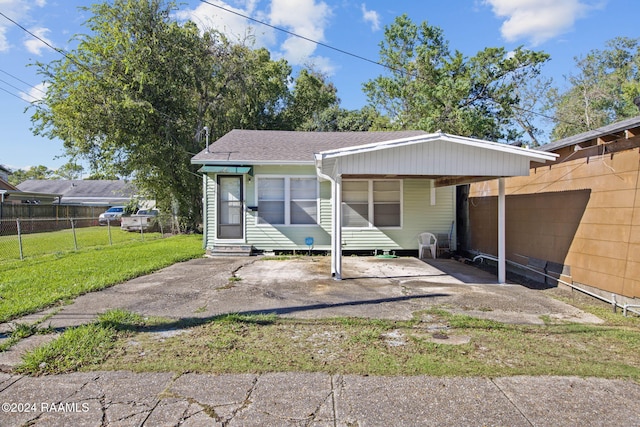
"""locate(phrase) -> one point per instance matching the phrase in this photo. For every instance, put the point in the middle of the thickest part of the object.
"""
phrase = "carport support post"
(336, 250)
(501, 232)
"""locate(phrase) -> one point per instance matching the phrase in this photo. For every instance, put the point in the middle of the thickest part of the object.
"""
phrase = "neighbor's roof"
(269, 146)
(81, 189)
(4, 185)
(611, 129)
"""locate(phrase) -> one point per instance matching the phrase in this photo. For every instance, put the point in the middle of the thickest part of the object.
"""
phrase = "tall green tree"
(133, 97)
(601, 92)
(429, 87)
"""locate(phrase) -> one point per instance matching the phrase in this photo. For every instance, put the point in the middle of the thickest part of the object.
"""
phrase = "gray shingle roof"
(269, 146)
(80, 188)
(592, 134)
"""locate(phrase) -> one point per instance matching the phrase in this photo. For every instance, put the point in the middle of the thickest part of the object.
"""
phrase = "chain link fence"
(30, 237)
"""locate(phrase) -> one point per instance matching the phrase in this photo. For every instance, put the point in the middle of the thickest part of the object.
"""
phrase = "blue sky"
(563, 28)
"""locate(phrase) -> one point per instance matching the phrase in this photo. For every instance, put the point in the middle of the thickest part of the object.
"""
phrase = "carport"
(444, 159)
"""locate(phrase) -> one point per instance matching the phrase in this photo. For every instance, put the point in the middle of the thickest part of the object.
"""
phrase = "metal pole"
(501, 232)
(141, 232)
(19, 239)
(73, 230)
(109, 231)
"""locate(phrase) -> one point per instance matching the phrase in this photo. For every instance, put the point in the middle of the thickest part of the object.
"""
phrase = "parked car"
(111, 215)
(147, 219)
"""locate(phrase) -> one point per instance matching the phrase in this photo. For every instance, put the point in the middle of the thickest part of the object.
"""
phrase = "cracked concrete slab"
(423, 401)
(276, 400)
(315, 399)
(573, 401)
(220, 396)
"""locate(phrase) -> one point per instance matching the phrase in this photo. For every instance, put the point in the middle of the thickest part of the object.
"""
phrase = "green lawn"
(37, 244)
(39, 282)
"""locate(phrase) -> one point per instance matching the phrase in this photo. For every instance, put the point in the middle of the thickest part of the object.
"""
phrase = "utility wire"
(17, 88)
(345, 52)
(22, 81)
(13, 94)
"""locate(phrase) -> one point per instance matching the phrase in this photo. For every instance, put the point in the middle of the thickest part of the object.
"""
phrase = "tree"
(34, 172)
(311, 95)
(601, 92)
(69, 170)
(430, 88)
(336, 119)
(133, 97)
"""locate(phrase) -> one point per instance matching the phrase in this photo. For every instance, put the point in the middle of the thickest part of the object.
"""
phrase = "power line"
(300, 36)
(345, 52)
(22, 81)
(13, 94)
(17, 88)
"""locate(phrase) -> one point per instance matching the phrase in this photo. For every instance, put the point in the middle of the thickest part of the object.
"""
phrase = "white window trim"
(371, 204)
(287, 199)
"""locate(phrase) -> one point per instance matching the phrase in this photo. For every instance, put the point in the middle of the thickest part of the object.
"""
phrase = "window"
(371, 203)
(287, 200)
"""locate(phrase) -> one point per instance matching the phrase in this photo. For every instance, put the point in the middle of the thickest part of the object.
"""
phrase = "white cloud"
(306, 18)
(232, 24)
(4, 43)
(371, 16)
(35, 45)
(17, 10)
(36, 93)
(537, 20)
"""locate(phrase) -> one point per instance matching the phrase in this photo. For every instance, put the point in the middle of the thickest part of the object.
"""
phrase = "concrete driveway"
(373, 287)
(302, 288)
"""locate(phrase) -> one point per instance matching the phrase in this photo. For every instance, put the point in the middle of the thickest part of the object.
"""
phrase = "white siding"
(288, 237)
(418, 216)
(434, 158)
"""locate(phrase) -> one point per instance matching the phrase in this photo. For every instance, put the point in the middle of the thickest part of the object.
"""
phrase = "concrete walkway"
(297, 399)
(382, 288)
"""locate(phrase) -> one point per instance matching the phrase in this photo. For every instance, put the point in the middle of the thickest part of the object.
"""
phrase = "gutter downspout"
(205, 219)
(336, 220)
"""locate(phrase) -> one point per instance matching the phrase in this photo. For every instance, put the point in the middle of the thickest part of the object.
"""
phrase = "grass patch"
(80, 346)
(258, 344)
(38, 244)
(33, 284)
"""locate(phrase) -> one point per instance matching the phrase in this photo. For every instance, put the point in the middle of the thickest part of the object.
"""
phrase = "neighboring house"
(84, 192)
(4, 173)
(351, 191)
(10, 194)
(577, 218)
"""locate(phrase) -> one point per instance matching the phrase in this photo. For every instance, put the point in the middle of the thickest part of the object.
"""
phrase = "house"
(342, 191)
(576, 218)
(10, 194)
(4, 173)
(83, 192)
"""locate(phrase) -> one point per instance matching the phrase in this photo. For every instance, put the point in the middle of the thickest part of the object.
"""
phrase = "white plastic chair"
(427, 240)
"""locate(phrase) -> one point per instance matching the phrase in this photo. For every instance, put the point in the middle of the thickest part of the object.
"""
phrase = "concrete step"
(230, 250)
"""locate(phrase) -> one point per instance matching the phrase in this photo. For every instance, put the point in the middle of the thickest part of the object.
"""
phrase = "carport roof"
(448, 159)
